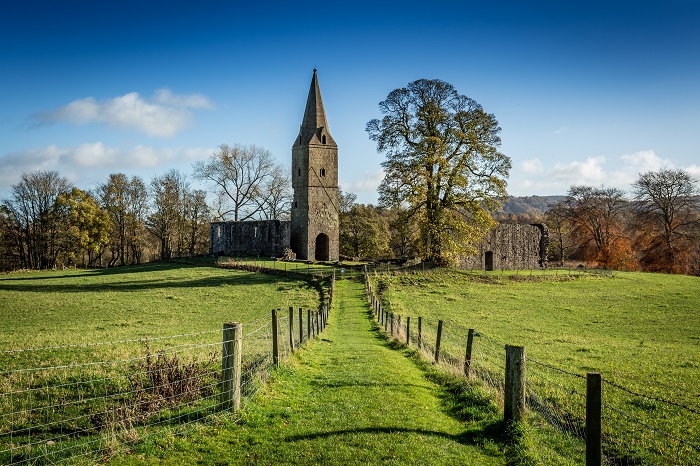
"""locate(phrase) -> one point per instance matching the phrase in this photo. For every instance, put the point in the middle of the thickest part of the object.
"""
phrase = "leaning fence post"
(468, 354)
(275, 340)
(408, 331)
(291, 329)
(593, 419)
(231, 366)
(437, 342)
(514, 393)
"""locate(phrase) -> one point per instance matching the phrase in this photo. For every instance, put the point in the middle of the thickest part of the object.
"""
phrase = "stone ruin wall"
(511, 247)
(264, 238)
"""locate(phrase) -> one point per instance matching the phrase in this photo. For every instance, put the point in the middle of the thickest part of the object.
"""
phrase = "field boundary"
(96, 408)
(594, 419)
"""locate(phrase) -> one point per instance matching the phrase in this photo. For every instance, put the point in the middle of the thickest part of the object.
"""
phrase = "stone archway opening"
(488, 260)
(322, 247)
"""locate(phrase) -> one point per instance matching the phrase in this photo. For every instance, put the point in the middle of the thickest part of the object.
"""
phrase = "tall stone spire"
(314, 215)
(314, 126)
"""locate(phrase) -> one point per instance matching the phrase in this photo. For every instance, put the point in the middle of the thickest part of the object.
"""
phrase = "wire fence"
(636, 428)
(93, 400)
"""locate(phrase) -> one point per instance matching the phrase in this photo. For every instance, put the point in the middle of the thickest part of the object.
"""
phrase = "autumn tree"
(32, 225)
(247, 182)
(364, 233)
(667, 220)
(83, 225)
(597, 225)
(442, 162)
(126, 202)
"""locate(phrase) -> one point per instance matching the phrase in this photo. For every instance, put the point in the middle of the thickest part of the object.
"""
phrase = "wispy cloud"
(164, 115)
(90, 162)
(365, 187)
(531, 177)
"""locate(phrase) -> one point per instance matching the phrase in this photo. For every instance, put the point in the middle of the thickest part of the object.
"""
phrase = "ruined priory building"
(313, 231)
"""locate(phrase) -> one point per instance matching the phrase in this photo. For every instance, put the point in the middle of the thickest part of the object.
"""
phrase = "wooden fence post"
(420, 332)
(468, 354)
(514, 392)
(301, 327)
(275, 340)
(231, 366)
(308, 324)
(437, 342)
(408, 331)
(291, 329)
(386, 321)
(594, 455)
(391, 324)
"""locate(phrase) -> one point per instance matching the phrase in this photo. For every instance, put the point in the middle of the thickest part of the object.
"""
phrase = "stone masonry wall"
(265, 238)
(511, 247)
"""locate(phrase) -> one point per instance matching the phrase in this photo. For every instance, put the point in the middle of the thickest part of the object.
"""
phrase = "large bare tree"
(247, 182)
(667, 218)
(443, 163)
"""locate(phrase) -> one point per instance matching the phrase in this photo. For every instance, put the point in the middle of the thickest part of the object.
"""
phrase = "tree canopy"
(442, 163)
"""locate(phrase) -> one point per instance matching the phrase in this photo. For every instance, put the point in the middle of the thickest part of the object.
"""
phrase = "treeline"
(656, 229)
(47, 222)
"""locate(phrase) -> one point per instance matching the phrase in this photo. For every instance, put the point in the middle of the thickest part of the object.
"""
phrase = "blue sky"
(585, 92)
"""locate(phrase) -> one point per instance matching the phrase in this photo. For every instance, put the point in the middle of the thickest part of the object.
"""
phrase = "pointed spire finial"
(314, 127)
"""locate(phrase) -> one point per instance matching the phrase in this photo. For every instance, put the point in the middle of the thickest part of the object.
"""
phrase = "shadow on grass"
(33, 283)
(463, 400)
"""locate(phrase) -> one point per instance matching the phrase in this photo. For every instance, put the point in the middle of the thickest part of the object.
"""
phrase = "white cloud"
(88, 163)
(163, 116)
(532, 166)
(694, 170)
(532, 177)
(166, 97)
(645, 160)
(366, 187)
(590, 171)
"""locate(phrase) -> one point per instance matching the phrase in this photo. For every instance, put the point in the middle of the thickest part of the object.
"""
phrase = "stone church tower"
(315, 223)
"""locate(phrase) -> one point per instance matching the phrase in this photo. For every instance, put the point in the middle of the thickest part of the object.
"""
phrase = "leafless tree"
(667, 219)
(246, 182)
(276, 195)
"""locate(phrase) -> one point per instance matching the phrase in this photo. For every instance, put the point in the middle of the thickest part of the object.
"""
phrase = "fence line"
(143, 387)
(635, 428)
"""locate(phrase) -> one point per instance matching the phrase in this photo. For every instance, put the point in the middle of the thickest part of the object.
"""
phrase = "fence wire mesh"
(62, 403)
(637, 428)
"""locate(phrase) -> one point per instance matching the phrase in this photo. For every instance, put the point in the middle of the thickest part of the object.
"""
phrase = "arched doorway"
(488, 260)
(322, 247)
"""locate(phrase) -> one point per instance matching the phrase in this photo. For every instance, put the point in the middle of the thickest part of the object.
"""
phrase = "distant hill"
(525, 209)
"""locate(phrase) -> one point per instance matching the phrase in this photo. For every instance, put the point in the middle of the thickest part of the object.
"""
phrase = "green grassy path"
(346, 399)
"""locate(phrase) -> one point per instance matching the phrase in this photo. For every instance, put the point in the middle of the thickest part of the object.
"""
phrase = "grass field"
(347, 399)
(39, 309)
(74, 365)
(641, 331)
